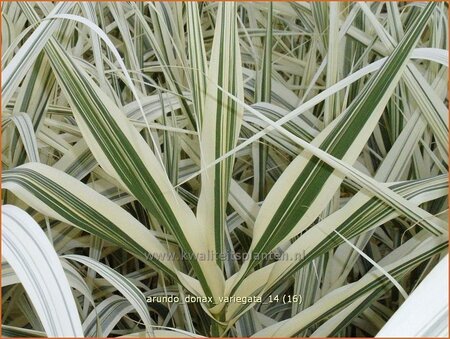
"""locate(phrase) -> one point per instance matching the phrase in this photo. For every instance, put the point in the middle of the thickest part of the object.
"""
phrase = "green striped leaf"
(372, 283)
(34, 93)
(62, 197)
(162, 36)
(15, 332)
(264, 94)
(291, 208)
(18, 67)
(358, 216)
(222, 119)
(197, 58)
(433, 109)
(128, 158)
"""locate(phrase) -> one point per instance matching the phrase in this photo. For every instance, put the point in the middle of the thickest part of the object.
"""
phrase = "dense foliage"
(220, 169)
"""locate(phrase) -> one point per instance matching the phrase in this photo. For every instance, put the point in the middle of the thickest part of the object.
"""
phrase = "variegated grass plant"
(286, 164)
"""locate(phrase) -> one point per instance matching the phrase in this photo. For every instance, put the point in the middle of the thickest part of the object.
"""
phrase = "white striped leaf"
(25, 127)
(30, 254)
(122, 284)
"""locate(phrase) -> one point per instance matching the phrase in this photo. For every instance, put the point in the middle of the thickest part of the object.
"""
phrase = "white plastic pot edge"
(425, 312)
